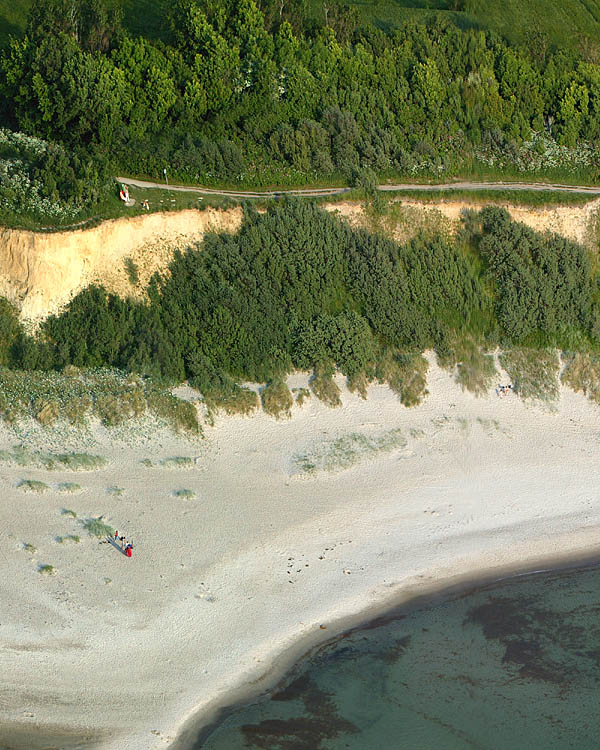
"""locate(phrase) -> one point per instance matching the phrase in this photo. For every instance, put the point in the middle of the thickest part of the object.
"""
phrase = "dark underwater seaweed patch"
(541, 642)
(395, 652)
(322, 722)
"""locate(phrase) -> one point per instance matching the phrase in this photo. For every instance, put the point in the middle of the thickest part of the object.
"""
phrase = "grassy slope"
(563, 20)
(141, 17)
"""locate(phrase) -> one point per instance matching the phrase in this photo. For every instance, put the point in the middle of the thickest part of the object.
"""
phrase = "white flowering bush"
(540, 152)
(44, 180)
(20, 194)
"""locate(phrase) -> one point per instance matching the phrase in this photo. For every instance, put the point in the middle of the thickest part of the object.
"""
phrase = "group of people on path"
(126, 545)
(503, 390)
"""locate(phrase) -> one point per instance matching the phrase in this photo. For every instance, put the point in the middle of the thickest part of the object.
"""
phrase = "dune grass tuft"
(97, 527)
(69, 487)
(406, 375)
(47, 570)
(324, 386)
(33, 485)
(220, 391)
(184, 494)
(347, 450)
(302, 395)
(115, 491)
(23, 456)
(240, 400)
(69, 512)
(582, 374)
(46, 412)
(277, 399)
(475, 369)
(27, 547)
(70, 538)
(358, 383)
(533, 372)
(177, 462)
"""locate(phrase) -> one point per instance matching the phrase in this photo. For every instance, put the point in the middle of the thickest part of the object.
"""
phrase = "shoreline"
(242, 554)
(198, 728)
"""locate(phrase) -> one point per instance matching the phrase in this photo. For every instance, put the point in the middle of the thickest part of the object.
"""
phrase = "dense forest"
(296, 288)
(259, 92)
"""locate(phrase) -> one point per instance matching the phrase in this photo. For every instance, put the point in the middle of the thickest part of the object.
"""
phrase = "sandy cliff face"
(578, 223)
(40, 273)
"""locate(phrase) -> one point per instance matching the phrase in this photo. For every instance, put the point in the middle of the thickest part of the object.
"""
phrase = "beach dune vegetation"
(324, 386)
(33, 485)
(277, 399)
(475, 369)
(298, 289)
(533, 372)
(97, 527)
(405, 373)
(345, 451)
(582, 373)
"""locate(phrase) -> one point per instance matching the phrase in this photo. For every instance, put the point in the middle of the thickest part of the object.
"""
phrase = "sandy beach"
(296, 529)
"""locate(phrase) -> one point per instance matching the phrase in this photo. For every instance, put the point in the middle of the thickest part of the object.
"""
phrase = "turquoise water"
(514, 665)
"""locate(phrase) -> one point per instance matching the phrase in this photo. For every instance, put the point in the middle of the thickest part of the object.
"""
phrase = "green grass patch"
(184, 494)
(533, 372)
(33, 485)
(69, 539)
(21, 455)
(76, 396)
(177, 462)
(97, 527)
(346, 451)
(132, 271)
(69, 488)
(277, 399)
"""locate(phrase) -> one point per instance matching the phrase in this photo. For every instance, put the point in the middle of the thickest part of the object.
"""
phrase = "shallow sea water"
(512, 665)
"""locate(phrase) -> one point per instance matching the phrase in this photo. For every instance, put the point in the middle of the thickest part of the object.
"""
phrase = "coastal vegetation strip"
(297, 289)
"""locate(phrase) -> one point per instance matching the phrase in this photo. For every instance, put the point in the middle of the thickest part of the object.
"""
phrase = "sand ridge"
(225, 585)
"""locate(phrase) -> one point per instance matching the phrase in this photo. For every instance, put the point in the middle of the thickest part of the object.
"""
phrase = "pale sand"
(205, 612)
